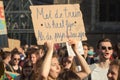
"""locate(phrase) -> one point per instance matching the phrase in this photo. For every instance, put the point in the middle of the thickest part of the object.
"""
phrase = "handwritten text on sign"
(57, 23)
(2, 20)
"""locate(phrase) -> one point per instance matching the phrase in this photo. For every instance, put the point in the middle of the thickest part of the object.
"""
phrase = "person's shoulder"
(93, 66)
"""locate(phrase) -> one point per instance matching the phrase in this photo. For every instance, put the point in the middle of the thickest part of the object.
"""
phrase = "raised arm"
(45, 67)
(85, 67)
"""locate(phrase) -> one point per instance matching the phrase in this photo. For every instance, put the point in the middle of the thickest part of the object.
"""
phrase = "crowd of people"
(50, 62)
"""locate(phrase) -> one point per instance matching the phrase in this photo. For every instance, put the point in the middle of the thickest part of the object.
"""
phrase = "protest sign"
(13, 43)
(70, 50)
(3, 30)
(79, 47)
(57, 23)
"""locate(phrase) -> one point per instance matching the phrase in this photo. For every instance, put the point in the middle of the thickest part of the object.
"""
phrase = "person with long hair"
(75, 75)
(50, 68)
(15, 59)
(66, 61)
(34, 55)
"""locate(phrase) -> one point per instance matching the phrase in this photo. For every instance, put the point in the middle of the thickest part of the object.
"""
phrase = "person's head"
(21, 50)
(55, 68)
(91, 48)
(15, 58)
(25, 47)
(6, 56)
(67, 62)
(41, 51)
(114, 70)
(85, 48)
(27, 69)
(105, 48)
(117, 49)
(91, 51)
(34, 55)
